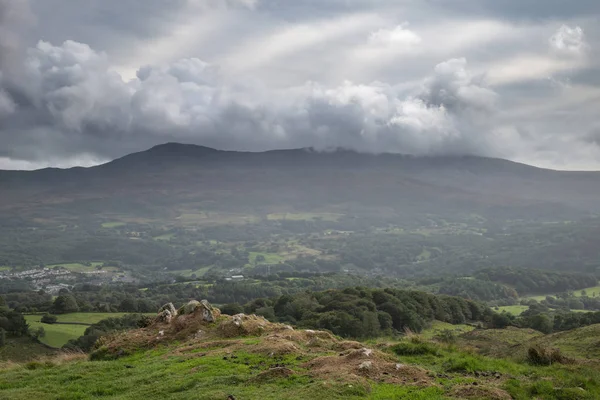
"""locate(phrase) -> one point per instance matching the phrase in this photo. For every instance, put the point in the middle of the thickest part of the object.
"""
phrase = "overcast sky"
(86, 81)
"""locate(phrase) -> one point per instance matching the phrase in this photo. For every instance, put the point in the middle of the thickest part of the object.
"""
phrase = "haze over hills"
(178, 176)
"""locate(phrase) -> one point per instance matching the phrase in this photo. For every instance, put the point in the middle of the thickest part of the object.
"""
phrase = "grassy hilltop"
(251, 358)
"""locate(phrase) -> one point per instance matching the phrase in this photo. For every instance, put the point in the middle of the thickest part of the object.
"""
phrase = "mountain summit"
(180, 176)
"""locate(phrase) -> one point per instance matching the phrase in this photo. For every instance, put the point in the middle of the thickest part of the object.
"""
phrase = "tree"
(500, 321)
(2, 337)
(48, 319)
(542, 323)
(65, 304)
(128, 305)
(232, 309)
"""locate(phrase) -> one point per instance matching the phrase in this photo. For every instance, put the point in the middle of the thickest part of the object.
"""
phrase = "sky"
(83, 82)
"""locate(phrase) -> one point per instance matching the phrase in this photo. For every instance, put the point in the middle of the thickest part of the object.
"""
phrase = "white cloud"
(398, 36)
(569, 41)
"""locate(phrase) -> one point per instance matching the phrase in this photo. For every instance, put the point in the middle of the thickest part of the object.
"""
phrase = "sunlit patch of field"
(304, 216)
(113, 224)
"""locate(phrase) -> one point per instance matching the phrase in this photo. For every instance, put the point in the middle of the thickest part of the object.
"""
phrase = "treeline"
(535, 281)
(132, 298)
(12, 323)
(478, 289)
(545, 320)
(363, 313)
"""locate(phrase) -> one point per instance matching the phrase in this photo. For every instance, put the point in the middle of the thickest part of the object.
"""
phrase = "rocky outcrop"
(166, 313)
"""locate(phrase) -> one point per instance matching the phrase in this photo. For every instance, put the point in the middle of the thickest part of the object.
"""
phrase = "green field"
(166, 237)
(113, 224)
(304, 216)
(591, 292)
(270, 258)
(58, 335)
(438, 327)
(242, 367)
(78, 267)
(514, 310)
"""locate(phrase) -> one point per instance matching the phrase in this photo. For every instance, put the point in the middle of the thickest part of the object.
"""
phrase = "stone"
(365, 366)
(166, 313)
(209, 314)
(190, 307)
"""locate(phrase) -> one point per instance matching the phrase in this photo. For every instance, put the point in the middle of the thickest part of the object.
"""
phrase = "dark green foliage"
(535, 281)
(49, 319)
(363, 313)
(64, 304)
(2, 337)
(500, 321)
(415, 348)
(232, 309)
(13, 322)
(543, 356)
(477, 289)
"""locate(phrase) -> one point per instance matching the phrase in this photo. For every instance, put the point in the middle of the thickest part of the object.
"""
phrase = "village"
(52, 280)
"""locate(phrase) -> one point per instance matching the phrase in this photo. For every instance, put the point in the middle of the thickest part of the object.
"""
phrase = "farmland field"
(304, 216)
(78, 267)
(113, 224)
(514, 310)
(58, 335)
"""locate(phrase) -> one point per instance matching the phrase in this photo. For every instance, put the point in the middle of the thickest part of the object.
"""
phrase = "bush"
(415, 348)
(543, 356)
(49, 319)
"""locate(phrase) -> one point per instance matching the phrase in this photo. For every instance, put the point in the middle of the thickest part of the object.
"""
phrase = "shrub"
(49, 319)
(542, 356)
(415, 348)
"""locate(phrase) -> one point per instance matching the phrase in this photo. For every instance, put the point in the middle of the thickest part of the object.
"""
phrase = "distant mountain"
(174, 176)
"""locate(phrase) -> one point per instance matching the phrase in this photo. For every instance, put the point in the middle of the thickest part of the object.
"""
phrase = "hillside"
(197, 353)
(167, 179)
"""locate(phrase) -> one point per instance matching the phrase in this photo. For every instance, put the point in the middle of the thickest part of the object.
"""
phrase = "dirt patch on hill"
(480, 392)
(362, 364)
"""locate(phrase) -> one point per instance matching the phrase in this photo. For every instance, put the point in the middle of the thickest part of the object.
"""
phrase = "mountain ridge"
(197, 177)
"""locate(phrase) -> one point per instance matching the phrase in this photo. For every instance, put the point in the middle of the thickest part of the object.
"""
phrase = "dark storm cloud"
(420, 77)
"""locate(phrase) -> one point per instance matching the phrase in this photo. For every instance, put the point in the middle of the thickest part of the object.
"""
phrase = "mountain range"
(172, 177)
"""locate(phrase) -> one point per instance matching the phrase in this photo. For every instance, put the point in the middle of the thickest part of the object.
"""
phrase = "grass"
(514, 310)
(438, 327)
(78, 267)
(305, 216)
(57, 335)
(589, 291)
(170, 372)
(165, 237)
(270, 258)
(113, 224)
(23, 349)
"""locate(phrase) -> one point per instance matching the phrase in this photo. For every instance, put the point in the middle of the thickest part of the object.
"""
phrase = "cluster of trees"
(535, 281)
(477, 289)
(132, 298)
(362, 313)
(12, 323)
(546, 320)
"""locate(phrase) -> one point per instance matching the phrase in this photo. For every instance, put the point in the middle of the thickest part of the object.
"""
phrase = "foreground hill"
(168, 178)
(196, 353)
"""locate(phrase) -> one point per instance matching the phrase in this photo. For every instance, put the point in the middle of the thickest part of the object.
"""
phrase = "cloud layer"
(372, 76)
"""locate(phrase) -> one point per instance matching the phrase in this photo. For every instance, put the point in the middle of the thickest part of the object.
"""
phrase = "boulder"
(166, 313)
(189, 308)
(210, 313)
